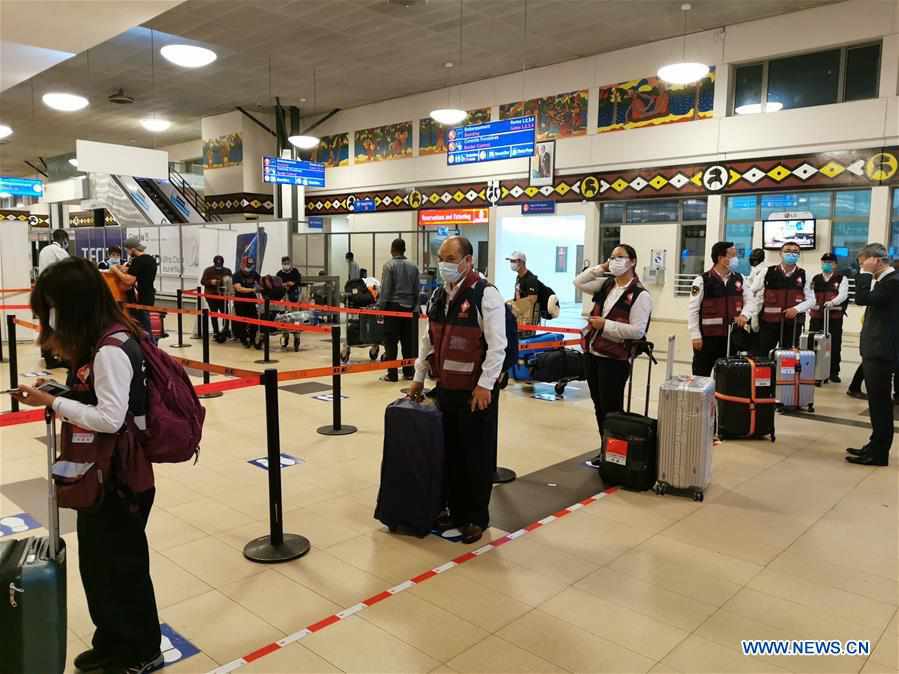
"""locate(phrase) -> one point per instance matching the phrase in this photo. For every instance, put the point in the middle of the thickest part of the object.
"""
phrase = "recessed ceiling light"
(448, 64)
(73, 162)
(304, 142)
(5, 131)
(155, 124)
(188, 56)
(64, 102)
(449, 116)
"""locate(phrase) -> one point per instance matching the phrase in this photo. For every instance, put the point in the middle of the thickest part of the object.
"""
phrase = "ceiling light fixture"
(5, 131)
(155, 124)
(188, 56)
(74, 162)
(450, 116)
(65, 102)
(685, 72)
(755, 108)
(303, 142)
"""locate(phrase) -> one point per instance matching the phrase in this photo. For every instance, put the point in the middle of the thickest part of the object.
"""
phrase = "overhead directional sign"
(21, 187)
(505, 139)
(293, 172)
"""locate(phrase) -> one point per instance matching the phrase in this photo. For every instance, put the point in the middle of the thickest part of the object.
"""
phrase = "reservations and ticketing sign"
(440, 217)
(504, 139)
(293, 172)
(21, 187)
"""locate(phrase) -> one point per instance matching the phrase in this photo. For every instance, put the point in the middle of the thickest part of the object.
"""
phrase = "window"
(692, 249)
(651, 211)
(611, 212)
(741, 234)
(805, 80)
(849, 229)
(816, 203)
(610, 239)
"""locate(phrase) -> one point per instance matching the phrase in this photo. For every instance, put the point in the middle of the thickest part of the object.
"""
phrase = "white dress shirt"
(590, 281)
(112, 384)
(758, 292)
(492, 322)
(842, 291)
(50, 254)
(803, 306)
(695, 303)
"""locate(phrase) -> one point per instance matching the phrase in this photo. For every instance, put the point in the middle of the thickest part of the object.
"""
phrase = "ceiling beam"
(36, 169)
(323, 119)
(264, 126)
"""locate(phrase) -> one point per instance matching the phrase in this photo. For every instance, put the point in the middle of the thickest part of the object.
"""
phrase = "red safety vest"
(782, 292)
(824, 292)
(593, 340)
(722, 302)
(457, 338)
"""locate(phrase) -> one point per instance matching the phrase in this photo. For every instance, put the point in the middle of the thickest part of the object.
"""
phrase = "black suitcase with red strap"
(744, 389)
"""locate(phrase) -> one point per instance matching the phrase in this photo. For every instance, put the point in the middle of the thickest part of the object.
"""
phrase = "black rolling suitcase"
(33, 584)
(744, 390)
(411, 494)
(629, 441)
(559, 365)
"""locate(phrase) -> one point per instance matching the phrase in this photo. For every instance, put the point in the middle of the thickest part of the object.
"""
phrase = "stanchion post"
(1, 352)
(336, 427)
(198, 329)
(266, 334)
(179, 294)
(13, 358)
(276, 546)
(204, 333)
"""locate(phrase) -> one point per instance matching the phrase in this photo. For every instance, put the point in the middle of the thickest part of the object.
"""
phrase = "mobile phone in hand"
(54, 388)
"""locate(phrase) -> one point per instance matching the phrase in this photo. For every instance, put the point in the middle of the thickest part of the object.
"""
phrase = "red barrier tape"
(14, 307)
(161, 310)
(549, 346)
(230, 385)
(324, 308)
(330, 371)
(286, 327)
(26, 324)
(522, 327)
(27, 417)
(217, 369)
(15, 290)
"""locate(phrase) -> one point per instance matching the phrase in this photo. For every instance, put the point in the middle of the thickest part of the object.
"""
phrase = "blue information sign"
(315, 222)
(21, 187)
(538, 207)
(505, 139)
(363, 205)
(293, 172)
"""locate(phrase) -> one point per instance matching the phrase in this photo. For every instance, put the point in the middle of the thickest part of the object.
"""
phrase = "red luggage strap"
(752, 400)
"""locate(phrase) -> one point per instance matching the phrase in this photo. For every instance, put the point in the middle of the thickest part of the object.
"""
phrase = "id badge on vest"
(81, 436)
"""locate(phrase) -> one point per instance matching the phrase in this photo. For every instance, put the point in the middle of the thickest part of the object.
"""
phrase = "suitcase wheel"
(660, 488)
(698, 496)
(560, 388)
(818, 383)
(811, 407)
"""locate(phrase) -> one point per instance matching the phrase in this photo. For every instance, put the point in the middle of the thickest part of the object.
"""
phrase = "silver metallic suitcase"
(687, 412)
(820, 343)
(795, 374)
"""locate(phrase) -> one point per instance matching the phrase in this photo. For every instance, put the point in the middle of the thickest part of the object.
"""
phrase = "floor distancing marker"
(275, 646)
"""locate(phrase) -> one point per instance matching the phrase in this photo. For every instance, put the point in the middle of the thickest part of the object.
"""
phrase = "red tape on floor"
(334, 618)
(26, 417)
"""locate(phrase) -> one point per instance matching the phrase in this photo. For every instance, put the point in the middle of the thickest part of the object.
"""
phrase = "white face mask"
(51, 318)
(285, 267)
(449, 272)
(115, 260)
(514, 266)
(619, 266)
(733, 263)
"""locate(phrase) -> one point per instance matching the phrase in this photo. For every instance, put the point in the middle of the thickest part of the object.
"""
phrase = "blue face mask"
(827, 267)
(791, 258)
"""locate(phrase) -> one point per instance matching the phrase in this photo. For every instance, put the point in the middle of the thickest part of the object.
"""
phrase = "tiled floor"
(791, 542)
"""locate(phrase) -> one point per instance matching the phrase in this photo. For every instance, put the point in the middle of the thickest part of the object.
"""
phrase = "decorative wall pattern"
(246, 202)
(393, 141)
(652, 102)
(35, 220)
(333, 150)
(852, 168)
(559, 116)
(86, 219)
(223, 151)
(432, 135)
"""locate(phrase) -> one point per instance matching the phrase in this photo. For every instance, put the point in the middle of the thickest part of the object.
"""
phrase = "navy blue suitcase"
(33, 585)
(522, 370)
(411, 495)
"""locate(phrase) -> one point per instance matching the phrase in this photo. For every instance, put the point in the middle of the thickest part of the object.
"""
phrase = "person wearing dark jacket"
(877, 289)
(213, 280)
(527, 285)
(399, 292)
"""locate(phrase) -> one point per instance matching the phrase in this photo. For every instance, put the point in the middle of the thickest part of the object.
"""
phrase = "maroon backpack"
(174, 413)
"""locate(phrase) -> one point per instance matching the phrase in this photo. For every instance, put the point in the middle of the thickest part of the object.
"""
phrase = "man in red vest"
(831, 290)
(787, 293)
(718, 298)
(464, 349)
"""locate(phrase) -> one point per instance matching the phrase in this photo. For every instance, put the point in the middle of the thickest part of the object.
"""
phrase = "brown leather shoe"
(471, 533)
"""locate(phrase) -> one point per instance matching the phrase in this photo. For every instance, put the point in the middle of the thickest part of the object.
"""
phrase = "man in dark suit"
(877, 289)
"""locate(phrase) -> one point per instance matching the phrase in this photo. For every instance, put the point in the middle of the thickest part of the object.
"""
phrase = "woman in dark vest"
(620, 316)
(108, 478)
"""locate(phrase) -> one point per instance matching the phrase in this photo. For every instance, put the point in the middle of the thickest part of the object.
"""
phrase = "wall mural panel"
(651, 102)
(559, 116)
(333, 150)
(852, 168)
(393, 141)
(223, 151)
(432, 135)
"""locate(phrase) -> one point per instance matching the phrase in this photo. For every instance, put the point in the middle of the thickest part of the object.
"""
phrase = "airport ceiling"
(360, 51)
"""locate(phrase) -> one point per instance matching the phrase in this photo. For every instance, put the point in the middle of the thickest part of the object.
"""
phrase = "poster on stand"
(543, 164)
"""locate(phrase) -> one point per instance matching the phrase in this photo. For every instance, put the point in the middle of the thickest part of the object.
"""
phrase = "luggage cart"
(363, 330)
(522, 370)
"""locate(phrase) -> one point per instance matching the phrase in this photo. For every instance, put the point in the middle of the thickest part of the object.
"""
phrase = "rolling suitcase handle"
(669, 361)
(637, 349)
(52, 509)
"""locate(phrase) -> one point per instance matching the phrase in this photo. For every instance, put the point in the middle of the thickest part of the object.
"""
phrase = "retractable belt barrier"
(28, 324)
(324, 308)
(14, 307)
(549, 346)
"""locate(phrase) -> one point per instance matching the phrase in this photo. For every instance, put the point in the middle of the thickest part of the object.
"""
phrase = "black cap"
(828, 257)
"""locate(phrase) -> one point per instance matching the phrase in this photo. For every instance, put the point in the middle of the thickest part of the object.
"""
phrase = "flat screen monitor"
(775, 233)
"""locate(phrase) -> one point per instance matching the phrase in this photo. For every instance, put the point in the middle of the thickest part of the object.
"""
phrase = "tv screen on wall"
(775, 233)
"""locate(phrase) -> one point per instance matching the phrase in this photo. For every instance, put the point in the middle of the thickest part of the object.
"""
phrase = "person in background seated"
(77, 314)
(621, 311)
(787, 292)
(291, 278)
(831, 290)
(718, 298)
(246, 280)
(213, 280)
(877, 289)
(399, 292)
(464, 349)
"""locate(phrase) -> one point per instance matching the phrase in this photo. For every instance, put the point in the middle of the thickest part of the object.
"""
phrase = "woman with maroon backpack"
(104, 471)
